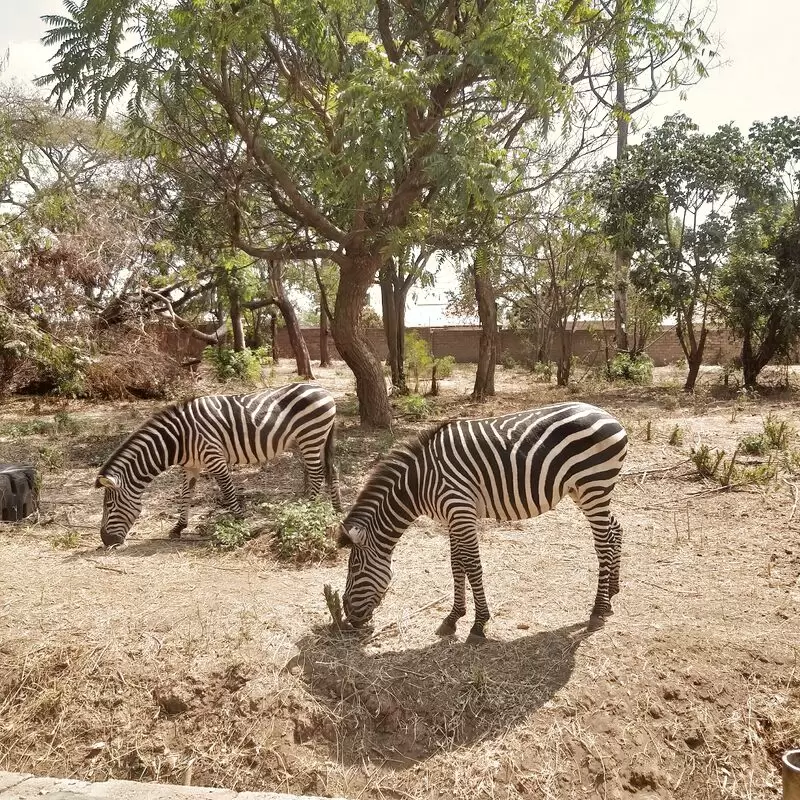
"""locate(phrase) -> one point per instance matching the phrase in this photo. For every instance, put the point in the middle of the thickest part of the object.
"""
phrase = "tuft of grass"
(65, 423)
(230, 533)
(301, 534)
(777, 433)
(676, 437)
(68, 540)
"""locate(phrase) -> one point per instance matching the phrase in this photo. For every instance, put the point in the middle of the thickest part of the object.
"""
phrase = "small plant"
(754, 444)
(648, 431)
(712, 465)
(708, 462)
(334, 604)
(422, 365)
(414, 406)
(676, 437)
(777, 433)
(68, 540)
(244, 365)
(634, 369)
(229, 533)
(301, 531)
(508, 361)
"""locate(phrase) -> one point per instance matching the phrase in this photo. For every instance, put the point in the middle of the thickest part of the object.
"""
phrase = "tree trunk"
(487, 348)
(324, 357)
(354, 281)
(286, 308)
(273, 336)
(393, 305)
(564, 365)
(237, 318)
(694, 358)
(622, 257)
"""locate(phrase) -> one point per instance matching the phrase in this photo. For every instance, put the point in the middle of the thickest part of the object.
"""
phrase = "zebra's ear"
(106, 482)
(348, 538)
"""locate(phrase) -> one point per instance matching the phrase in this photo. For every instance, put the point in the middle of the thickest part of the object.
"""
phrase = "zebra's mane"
(122, 448)
(400, 453)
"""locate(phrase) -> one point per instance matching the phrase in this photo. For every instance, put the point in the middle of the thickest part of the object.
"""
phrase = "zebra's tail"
(331, 473)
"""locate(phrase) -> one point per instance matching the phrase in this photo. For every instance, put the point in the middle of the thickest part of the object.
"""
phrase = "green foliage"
(634, 369)
(51, 457)
(543, 371)
(777, 433)
(245, 365)
(229, 533)
(301, 533)
(414, 406)
(421, 365)
(754, 444)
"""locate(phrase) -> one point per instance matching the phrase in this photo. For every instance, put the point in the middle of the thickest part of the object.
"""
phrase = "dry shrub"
(132, 367)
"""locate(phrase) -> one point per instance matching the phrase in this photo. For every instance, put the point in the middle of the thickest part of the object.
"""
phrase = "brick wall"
(462, 344)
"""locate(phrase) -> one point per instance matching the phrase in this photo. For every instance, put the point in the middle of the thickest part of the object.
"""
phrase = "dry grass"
(174, 662)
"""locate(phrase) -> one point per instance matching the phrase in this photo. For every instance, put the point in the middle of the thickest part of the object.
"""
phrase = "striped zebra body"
(209, 434)
(512, 467)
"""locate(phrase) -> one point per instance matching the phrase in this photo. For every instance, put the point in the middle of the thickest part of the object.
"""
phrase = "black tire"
(19, 495)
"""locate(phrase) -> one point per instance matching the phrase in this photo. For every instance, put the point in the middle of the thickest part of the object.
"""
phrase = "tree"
(760, 284)
(399, 112)
(654, 46)
(675, 198)
(562, 259)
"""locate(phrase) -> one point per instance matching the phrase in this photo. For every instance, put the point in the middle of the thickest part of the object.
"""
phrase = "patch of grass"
(754, 444)
(676, 437)
(230, 533)
(68, 540)
(66, 423)
(301, 534)
(414, 406)
(34, 427)
(633, 369)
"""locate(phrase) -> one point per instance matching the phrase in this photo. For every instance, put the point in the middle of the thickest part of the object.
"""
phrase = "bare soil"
(172, 661)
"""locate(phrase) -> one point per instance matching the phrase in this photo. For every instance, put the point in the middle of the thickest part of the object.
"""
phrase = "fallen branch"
(652, 470)
(414, 613)
(109, 569)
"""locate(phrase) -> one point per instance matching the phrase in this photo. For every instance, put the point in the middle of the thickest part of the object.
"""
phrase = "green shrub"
(421, 365)
(65, 423)
(777, 433)
(229, 533)
(634, 369)
(301, 532)
(244, 365)
(414, 406)
(754, 444)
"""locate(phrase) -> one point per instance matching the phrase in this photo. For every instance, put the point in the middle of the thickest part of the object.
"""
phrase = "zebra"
(510, 467)
(209, 434)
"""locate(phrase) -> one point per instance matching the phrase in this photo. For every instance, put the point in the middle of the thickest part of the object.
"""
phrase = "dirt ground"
(172, 661)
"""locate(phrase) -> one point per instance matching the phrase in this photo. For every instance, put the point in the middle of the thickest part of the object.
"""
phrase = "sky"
(757, 80)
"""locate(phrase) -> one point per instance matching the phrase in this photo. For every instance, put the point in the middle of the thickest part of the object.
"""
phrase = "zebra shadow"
(399, 708)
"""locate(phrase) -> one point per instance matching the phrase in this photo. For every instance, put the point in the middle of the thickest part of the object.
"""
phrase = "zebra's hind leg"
(613, 580)
(187, 489)
(448, 626)
(464, 530)
(600, 521)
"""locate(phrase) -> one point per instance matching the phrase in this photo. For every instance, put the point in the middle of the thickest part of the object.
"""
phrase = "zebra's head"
(369, 573)
(121, 508)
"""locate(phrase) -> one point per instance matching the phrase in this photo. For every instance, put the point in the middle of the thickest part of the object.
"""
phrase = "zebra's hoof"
(447, 628)
(476, 638)
(176, 532)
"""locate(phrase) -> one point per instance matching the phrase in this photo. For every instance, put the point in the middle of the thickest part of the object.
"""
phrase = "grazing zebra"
(210, 433)
(512, 467)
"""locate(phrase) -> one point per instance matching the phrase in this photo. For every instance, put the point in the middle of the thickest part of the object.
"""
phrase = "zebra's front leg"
(222, 475)
(448, 626)
(187, 489)
(464, 530)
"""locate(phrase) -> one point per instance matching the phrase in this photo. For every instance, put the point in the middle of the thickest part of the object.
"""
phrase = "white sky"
(758, 79)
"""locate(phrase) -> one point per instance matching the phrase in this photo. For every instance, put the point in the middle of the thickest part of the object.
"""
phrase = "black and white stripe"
(512, 467)
(208, 434)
